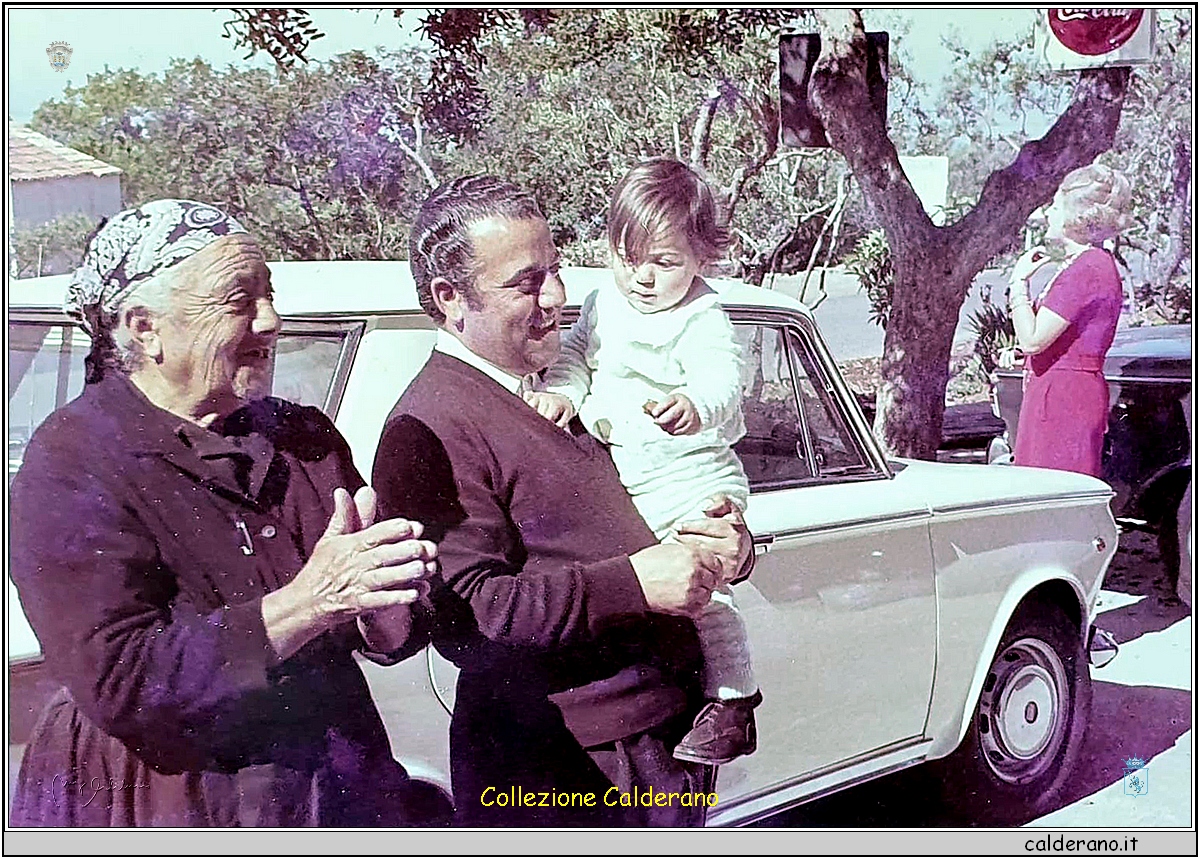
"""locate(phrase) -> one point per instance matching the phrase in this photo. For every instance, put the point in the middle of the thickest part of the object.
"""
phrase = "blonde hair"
(1095, 201)
(664, 192)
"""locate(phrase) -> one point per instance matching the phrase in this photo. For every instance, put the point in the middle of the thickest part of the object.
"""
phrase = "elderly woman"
(194, 566)
(1066, 333)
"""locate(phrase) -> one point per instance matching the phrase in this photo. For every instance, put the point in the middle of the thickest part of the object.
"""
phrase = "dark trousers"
(645, 775)
(514, 762)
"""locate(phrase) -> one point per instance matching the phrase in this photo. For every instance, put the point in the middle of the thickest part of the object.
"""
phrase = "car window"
(45, 371)
(773, 450)
(306, 366)
(835, 446)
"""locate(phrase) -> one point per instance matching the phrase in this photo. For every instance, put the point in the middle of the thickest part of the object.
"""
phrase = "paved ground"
(1142, 707)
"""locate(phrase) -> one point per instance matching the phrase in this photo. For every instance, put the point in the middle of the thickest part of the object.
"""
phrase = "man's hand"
(675, 578)
(676, 414)
(723, 534)
(555, 408)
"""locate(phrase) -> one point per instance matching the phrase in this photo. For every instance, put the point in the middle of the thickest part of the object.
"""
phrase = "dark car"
(1147, 450)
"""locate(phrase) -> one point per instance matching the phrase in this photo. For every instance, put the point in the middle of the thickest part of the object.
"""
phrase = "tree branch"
(767, 117)
(702, 131)
(1084, 130)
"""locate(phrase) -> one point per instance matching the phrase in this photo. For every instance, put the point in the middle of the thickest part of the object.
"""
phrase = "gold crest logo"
(60, 55)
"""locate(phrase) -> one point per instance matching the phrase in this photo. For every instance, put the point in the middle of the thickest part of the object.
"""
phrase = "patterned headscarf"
(133, 246)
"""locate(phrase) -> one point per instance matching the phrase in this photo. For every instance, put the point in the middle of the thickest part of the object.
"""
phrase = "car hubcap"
(1023, 711)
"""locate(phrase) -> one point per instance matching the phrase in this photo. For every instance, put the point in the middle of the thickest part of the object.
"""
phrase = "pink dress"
(1064, 412)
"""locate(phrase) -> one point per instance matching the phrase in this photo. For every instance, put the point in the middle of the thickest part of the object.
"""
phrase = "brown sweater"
(534, 532)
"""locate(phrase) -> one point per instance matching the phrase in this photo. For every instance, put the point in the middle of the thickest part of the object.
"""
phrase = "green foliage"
(107, 118)
(992, 326)
(871, 262)
(1154, 149)
(994, 100)
(285, 34)
(315, 161)
(991, 102)
(52, 248)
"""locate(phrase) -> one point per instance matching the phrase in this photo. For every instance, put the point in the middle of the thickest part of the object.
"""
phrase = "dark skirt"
(74, 774)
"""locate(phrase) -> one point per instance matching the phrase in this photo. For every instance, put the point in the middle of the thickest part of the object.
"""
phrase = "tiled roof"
(35, 156)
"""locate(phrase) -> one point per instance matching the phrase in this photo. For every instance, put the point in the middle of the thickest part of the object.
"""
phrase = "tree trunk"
(934, 266)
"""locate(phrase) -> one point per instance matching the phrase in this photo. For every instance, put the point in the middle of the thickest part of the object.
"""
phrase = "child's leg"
(724, 729)
(728, 672)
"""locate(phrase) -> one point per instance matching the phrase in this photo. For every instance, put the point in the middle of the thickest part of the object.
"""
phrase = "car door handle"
(762, 543)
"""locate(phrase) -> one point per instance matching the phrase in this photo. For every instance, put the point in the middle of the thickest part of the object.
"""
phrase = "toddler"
(653, 370)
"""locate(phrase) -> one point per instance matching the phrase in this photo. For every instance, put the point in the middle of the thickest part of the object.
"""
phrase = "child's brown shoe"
(723, 731)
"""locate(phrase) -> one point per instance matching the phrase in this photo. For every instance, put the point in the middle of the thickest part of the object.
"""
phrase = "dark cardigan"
(133, 571)
(535, 532)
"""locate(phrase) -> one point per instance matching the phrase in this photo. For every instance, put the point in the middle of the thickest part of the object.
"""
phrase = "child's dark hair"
(660, 192)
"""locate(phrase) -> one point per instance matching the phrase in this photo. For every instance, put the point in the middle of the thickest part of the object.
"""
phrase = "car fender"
(1023, 585)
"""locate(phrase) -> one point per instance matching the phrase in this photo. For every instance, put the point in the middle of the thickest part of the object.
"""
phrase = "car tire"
(1027, 728)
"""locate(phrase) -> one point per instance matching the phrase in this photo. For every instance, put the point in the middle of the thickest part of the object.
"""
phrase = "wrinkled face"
(662, 277)
(512, 318)
(218, 338)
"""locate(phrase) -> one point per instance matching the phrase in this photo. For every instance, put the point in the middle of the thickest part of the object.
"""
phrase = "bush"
(52, 248)
(992, 326)
(871, 261)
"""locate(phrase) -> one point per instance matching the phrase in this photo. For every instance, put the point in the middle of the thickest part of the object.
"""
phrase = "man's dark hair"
(439, 246)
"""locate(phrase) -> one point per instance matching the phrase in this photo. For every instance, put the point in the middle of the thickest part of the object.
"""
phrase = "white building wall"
(38, 201)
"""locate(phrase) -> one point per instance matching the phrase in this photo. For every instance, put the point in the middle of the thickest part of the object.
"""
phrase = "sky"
(147, 39)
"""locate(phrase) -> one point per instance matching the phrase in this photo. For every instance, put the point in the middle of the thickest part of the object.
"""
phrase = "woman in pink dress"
(1066, 333)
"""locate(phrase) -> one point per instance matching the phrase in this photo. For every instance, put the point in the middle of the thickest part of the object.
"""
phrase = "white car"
(900, 611)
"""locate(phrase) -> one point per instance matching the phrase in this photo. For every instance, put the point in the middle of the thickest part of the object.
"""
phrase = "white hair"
(155, 294)
(1096, 201)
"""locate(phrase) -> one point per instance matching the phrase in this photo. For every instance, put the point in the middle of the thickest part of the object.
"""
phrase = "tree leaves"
(285, 34)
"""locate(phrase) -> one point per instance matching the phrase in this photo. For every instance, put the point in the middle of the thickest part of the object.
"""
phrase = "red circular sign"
(1094, 31)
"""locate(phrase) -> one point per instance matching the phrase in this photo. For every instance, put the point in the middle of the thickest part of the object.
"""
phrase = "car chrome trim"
(341, 376)
(848, 405)
(1123, 380)
(831, 527)
(760, 804)
(761, 486)
(1026, 501)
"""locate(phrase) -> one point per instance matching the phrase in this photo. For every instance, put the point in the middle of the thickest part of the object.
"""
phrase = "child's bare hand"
(676, 414)
(553, 407)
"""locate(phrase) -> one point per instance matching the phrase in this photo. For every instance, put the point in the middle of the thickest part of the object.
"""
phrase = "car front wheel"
(1028, 725)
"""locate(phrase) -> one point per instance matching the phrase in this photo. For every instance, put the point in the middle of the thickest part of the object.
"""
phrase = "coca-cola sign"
(1093, 32)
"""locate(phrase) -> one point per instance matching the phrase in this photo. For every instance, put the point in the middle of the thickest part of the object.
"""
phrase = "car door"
(840, 608)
